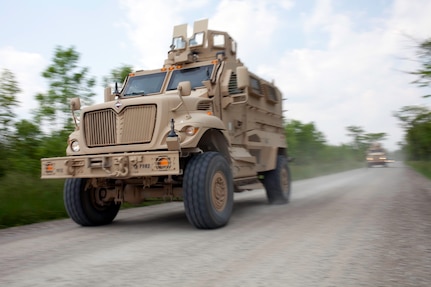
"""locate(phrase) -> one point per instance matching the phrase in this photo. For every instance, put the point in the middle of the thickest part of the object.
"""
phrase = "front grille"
(133, 125)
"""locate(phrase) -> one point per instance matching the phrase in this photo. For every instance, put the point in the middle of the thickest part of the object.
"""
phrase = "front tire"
(277, 182)
(81, 204)
(208, 191)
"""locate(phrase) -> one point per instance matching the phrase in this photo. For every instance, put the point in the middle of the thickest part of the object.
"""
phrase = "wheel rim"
(96, 199)
(219, 191)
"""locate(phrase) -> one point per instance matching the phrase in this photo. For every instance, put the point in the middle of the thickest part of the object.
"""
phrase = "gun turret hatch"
(203, 45)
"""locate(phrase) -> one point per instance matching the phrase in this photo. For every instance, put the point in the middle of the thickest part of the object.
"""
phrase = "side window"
(178, 43)
(197, 40)
(218, 41)
(255, 86)
(271, 94)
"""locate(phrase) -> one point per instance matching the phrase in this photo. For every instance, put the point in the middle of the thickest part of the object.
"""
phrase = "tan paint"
(125, 139)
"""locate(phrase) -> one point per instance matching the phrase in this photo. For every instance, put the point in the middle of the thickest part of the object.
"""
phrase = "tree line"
(415, 119)
(24, 142)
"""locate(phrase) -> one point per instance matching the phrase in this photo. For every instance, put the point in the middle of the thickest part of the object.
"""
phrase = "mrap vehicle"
(199, 128)
(376, 155)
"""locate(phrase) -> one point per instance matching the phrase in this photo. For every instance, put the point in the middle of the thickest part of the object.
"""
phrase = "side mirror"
(75, 104)
(184, 88)
(108, 95)
(242, 77)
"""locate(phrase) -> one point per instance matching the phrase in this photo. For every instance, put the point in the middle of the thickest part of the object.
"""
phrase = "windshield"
(194, 75)
(144, 85)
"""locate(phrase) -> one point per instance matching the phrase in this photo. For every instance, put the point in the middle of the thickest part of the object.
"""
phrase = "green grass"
(25, 199)
(423, 167)
(28, 199)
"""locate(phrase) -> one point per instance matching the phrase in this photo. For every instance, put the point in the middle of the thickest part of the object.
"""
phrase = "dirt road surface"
(365, 227)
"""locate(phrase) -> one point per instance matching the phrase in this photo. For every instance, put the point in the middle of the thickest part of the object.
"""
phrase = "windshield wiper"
(134, 94)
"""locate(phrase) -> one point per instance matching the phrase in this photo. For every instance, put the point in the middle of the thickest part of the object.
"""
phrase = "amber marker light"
(171, 68)
(49, 168)
(163, 69)
(209, 113)
(163, 162)
(131, 74)
(214, 61)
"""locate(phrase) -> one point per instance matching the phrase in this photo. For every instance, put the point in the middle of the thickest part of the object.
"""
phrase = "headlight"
(190, 130)
(74, 145)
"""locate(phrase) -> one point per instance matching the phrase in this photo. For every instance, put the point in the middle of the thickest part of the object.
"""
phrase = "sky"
(338, 63)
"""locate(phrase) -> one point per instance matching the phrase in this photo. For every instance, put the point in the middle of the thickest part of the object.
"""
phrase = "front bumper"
(124, 165)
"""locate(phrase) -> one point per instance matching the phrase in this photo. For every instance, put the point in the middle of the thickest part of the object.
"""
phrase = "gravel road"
(365, 227)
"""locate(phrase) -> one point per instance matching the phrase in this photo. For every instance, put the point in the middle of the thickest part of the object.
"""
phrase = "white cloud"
(150, 24)
(359, 77)
(26, 68)
(252, 24)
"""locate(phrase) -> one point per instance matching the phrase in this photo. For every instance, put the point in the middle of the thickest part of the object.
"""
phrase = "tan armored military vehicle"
(376, 155)
(199, 128)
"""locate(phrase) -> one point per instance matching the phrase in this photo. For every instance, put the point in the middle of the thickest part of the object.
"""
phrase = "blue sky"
(338, 62)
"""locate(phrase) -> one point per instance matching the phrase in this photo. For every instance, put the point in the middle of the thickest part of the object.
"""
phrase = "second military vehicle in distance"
(376, 155)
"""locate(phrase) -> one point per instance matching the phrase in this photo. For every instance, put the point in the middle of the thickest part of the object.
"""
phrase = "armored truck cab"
(376, 155)
(199, 128)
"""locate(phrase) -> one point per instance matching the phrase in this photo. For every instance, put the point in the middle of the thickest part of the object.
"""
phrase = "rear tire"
(82, 207)
(277, 182)
(208, 191)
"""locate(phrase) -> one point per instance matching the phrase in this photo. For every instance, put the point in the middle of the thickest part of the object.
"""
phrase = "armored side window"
(271, 94)
(178, 43)
(255, 86)
(218, 41)
(197, 40)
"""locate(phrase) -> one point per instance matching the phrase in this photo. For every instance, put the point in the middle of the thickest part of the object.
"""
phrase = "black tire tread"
(272, 183)
(196, 202)
(79, 208)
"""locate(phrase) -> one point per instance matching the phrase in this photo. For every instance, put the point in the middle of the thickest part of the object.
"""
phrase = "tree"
(8, 90)
(362, 140)
(357, 134)
(410, 115)
(416, 121)
(424, 73)
(304, 141)
(25, 143)
(374, 137)
(66, 81)
(118, 75)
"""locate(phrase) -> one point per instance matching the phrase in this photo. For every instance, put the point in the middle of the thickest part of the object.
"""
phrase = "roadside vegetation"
(416, 120)
(423, 167)
(25, 198)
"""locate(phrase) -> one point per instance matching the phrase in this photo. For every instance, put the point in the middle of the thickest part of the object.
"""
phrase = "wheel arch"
(215, 140)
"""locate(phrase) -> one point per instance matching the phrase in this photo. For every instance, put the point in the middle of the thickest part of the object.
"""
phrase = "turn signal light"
(49, 168)
(163, 163)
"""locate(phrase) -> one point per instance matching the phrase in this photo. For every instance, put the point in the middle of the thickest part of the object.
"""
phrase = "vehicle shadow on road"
(175, 218)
